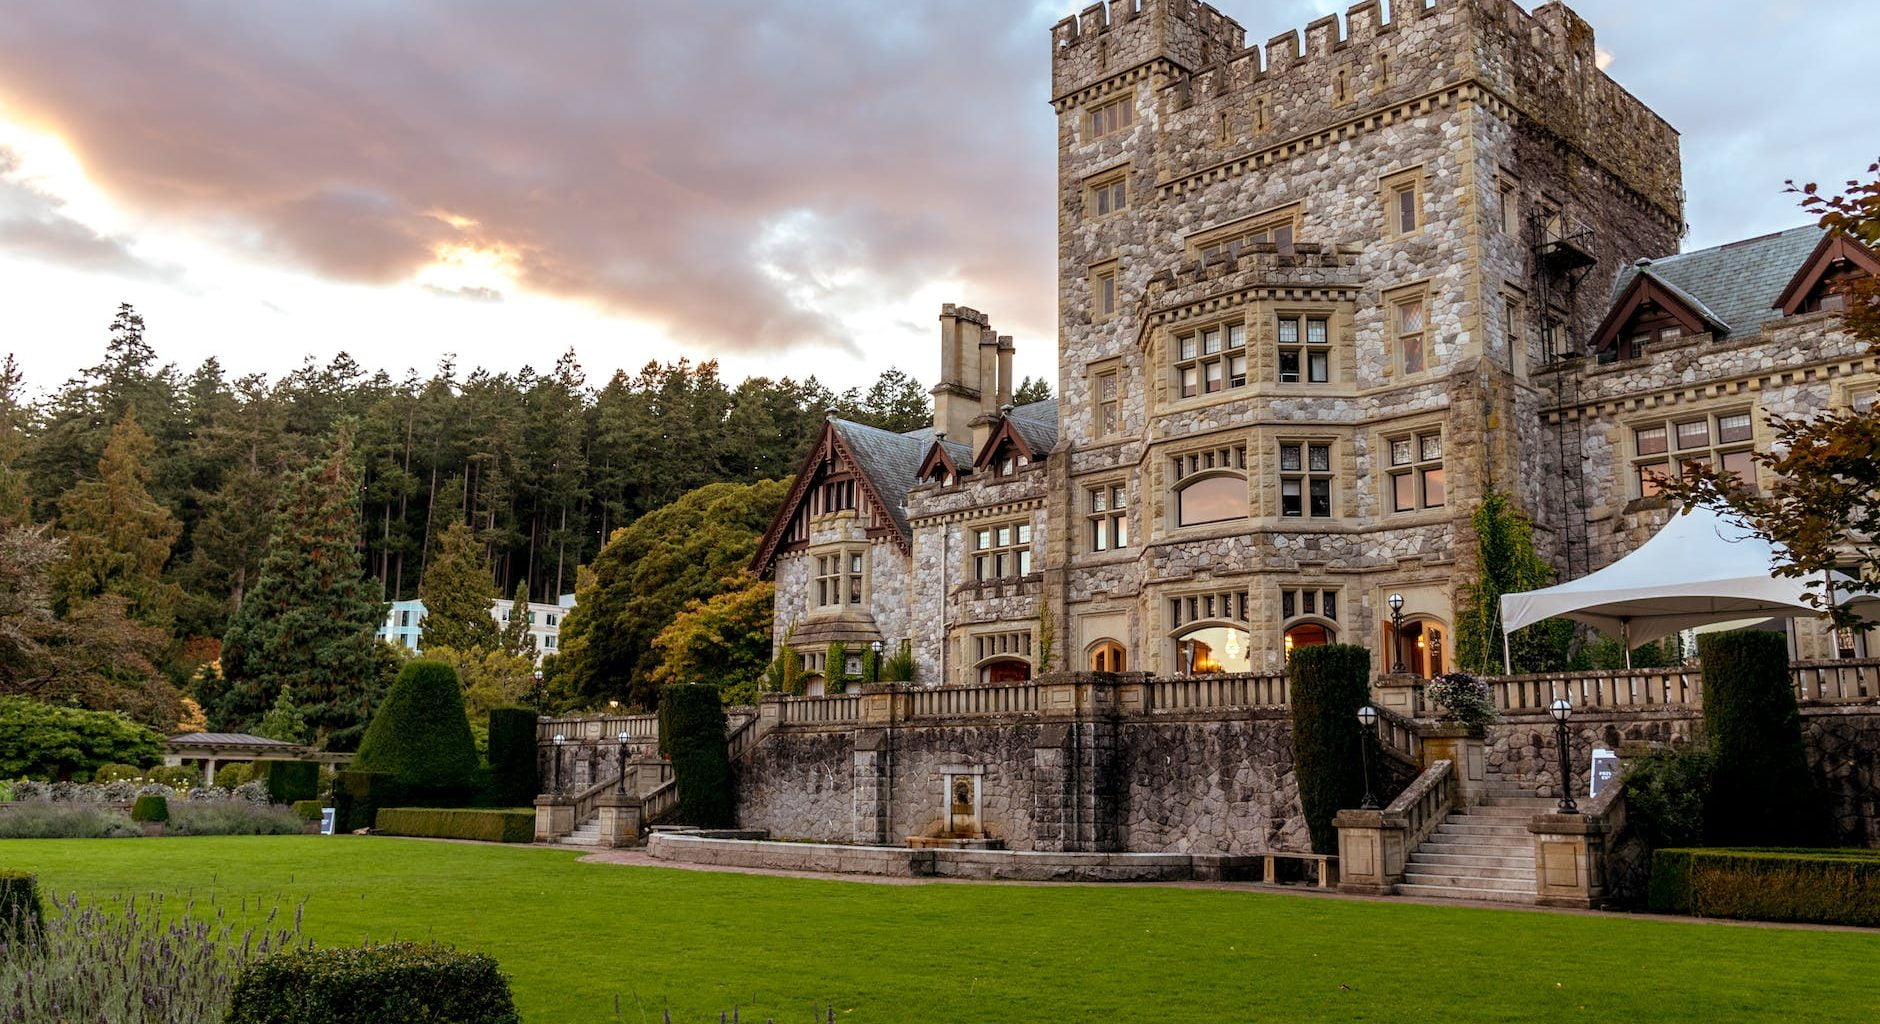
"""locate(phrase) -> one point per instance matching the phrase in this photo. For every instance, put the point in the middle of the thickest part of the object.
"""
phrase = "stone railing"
(661, 802)
(1216, 692)
(1425, 803)
(965, 701)
(1397, 735)
(640, 729)
(742, 737)
(1837, 682)
(1374, 846)
(587, 802)
(821, 710)
(1618, 688)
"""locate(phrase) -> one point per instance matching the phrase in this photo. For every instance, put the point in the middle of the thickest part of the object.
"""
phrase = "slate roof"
(1736, 284)
(1037, 423)
(227, 739)
(892, 461)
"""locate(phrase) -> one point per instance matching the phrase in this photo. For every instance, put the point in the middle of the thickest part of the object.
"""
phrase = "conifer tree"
(118, 537)
(517, 641)
(284, 721)
(457, 590)
(308, 624)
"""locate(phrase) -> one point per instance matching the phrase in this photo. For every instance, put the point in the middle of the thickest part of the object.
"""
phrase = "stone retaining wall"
(1003, 865)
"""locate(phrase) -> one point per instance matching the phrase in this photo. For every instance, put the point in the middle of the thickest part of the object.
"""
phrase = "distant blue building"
(404, 623)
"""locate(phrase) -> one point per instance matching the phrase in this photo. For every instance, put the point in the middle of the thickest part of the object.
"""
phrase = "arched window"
(1308, 634)
(1005, 670)
(1213, 649)
(1108, 656)
(1211, 499)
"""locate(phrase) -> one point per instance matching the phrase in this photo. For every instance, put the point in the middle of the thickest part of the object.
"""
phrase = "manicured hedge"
(150, 808)
(310, 810)
(692, 727)
(514, 778)
(1761, 793)
(421, 734)
(456, 823)
(374, 985)
(1816, 886)
(289, 781)
(1329, 683)
(357, 797)
(20, 911)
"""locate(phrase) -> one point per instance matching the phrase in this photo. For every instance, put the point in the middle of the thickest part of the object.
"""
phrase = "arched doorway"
(1005, 670)
(1308, 634)
(1108, 656)
(1425, 649)
(814, 686)
(1213, 649)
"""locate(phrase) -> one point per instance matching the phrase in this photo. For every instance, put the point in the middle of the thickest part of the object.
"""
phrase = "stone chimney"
(957, 399)
(1006, 350)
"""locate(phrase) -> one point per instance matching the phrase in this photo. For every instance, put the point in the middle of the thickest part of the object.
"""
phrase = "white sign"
(1605, 769)
(326, 821)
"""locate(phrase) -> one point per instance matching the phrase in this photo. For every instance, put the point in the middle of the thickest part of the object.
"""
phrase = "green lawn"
(573, 936)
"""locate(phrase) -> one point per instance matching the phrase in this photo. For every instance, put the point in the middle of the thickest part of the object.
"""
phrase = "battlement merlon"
(1120, 34)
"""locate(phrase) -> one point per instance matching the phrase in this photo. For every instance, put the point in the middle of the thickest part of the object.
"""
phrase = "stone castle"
(1316, 297)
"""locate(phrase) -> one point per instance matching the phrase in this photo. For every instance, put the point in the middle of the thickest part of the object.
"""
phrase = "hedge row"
(21, 915)
(373, 985)
(1816, 886)
(358, 795)
(289, 781)
(439, 823)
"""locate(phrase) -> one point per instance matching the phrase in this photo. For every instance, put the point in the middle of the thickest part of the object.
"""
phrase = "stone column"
(1569, 860)
(1402, 693)
(872, 791)
(554, 817)
(1462, 748)
(1372, 850)
(621, 818)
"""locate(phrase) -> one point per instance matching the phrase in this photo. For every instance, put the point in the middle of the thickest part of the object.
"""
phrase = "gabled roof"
(889, 462)
(1649, 289)
(226, 739)
(1734, 284)
(1037, 423)
(1834, 247)
(942, 452)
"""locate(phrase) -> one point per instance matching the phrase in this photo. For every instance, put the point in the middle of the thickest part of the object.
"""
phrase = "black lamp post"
(874, 674)
(622, 788)
(1367, 717)
(560, 741)
(1396, 632)
(1562, 709)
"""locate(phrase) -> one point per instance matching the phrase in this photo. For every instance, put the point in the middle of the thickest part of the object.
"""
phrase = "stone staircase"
(1484, 852)
(588, 833)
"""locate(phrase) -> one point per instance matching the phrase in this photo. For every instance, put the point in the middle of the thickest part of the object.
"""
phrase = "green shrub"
(231, 818)
(421, 734)
(150, 809)
(692, 727)
(1665, 795)
(1761, 791)
(177, 776)
(1815, 886)
(22, 917)
(38, 820)
(238, 773)
(397, 982)
(897, 667)
(357, 797)
(457, 823)
(1329, 684)
(117, 773)
(289, 781)
(47, 741)
(309, 810)
(514, 777)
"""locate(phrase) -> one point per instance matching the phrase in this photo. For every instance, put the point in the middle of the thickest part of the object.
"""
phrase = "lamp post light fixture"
(622, 788)
(560, 741)
(1396, 632)
(1562, 709)
(874, 674)
(1367, 717)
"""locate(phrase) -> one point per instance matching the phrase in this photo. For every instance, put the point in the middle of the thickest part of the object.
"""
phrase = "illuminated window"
(1108, 656)
(1721, 440)
(1211, 360)
(1416, 471)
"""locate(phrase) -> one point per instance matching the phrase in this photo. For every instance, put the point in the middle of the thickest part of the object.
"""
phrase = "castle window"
(1863, 401)
(1111, 117)
(1108, 656)
(1108, 194)
(834, 496)
(1320, 604)
(1003, 657)
(1109, 395)
(1509, 207)
(1305, 480)
(1002, 552)
(1305, 350)
(1410, 316)
(1259, 114)
(1225, 133)
(1416, 471)
(1107, 513)
(1211, 360)
(1211, 486)
(1216, 246)
(1723, 440)
(1341, 86)
(1403, 203)
(1103, 293)
(838, 579)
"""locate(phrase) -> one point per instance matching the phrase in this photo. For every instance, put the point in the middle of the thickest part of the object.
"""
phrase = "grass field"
(574, 936)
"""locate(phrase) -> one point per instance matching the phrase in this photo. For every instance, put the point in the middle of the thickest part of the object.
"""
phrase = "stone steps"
(1454, 892)
(588, 833)
(1462, 826)
(1448, 858)
(1482, 852)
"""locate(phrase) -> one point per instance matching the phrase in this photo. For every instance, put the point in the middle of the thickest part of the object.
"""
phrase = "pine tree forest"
(161, 486)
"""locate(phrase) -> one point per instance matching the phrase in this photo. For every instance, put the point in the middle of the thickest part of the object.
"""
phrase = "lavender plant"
(130, 961)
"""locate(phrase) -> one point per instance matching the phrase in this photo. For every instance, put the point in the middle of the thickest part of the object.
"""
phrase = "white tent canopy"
(1700, 568)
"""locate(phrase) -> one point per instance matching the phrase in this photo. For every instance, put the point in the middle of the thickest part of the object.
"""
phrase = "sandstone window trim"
(1107, 193)
(838, 579)
(989, 650)
(1862, 398)
(1508, 205)
(1414, 480)
(1211, 632)
(1105, 294)
(1210, 358)
(1106, 400)
(1107, 655)
(1514, 330)
(1722, 438)
(1210, 487)
(1308, 477)
(1401, 195)
(1303, 346)
(1309, 615)
(1278, 227)
(1110, 117)
(1407, 315)
(1106, 516)
(1000, 551)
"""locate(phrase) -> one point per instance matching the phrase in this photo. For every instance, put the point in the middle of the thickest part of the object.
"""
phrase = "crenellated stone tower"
(1303, 290)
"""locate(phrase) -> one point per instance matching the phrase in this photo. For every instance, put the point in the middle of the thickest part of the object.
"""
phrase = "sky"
(790, 187)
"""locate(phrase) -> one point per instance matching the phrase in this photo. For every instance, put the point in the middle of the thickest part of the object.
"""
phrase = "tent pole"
(1625, 637)
(1507, 664)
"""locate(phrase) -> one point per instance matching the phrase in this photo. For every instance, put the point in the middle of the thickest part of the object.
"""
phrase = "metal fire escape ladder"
(1561, 262)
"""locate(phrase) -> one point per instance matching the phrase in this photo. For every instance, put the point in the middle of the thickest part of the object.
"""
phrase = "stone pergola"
(212, 748)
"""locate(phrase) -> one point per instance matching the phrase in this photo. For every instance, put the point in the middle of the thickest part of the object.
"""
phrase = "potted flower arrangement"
(1464, 700)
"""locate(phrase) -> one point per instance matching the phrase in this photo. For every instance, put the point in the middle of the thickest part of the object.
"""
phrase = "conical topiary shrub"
(1329, 684)
(421, 734)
